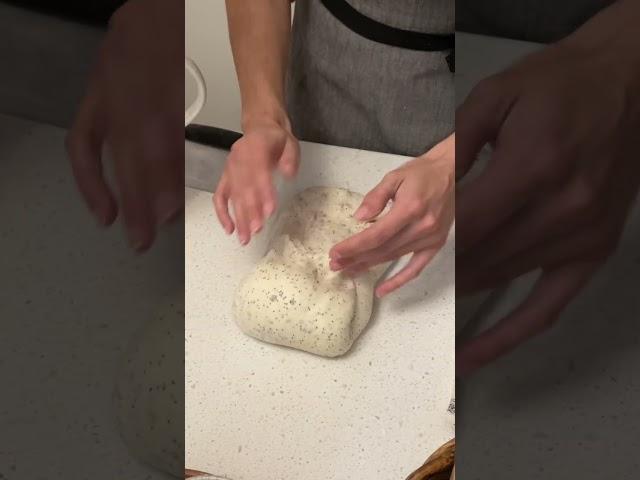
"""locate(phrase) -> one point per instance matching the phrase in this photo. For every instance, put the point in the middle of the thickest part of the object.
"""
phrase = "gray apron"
(343, 89)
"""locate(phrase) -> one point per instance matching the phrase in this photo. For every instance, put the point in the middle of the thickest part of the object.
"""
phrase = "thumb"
(478, 121)
(289, 160)
(376, 200)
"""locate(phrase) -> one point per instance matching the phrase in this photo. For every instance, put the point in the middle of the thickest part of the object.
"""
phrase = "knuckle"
(415, 207)
(549, 166)
(390, 177)
(424, 229)
(428, 224)
(486, 86)
(582, 199)
(250, 201)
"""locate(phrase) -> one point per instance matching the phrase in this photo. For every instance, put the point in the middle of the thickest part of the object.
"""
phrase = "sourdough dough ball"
(149, 393)
(292, 298)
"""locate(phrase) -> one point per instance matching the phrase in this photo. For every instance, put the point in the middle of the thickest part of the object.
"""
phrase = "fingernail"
(361, 213)
(243, 239)
(137, 238)
(167, 206)
(255, 226)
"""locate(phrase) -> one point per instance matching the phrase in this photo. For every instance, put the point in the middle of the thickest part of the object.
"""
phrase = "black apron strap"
(397, 37)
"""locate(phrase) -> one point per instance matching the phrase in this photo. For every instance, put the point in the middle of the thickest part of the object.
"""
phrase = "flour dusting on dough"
(292, 298)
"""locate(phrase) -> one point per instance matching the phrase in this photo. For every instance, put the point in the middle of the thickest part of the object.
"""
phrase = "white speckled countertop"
(255, 410)
(61, 290)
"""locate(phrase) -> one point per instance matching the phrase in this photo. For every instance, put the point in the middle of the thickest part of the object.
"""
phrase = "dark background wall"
(531, 20)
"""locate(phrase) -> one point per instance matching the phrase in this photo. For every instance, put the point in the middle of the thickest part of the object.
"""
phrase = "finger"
(592, 243)
(560, 213)
(357, 268)
(376, 200)
(478, 121)
(552, 293)
(253, 212)
(431, 231)
(221, 205)
(375, 235)
(411, 270)
(268, 196)
(84, 145)
(490, 199)
(290, 159)
(242, 224)
(391, 250)
(139, 218)
(163, 154)
(404, 238)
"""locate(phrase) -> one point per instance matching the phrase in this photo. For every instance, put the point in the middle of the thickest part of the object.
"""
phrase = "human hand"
(418, 221)
(133, 105)
(555, 195)
(247, 180)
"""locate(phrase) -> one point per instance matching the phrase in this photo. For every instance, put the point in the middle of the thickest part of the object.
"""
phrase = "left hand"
(418, 222)
(134, 105)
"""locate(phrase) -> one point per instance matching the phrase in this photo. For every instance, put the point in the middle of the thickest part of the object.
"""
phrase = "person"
(320, 81)
(563, 174)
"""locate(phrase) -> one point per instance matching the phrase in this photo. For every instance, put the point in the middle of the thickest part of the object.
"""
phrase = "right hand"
(247, 180)
(562, 178)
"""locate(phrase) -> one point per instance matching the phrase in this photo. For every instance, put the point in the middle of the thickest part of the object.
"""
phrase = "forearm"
(260, 33)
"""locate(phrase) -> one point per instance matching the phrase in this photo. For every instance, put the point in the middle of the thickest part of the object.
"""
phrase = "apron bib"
(345, 88)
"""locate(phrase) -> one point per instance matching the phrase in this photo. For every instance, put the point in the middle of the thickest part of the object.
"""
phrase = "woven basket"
(439, 466)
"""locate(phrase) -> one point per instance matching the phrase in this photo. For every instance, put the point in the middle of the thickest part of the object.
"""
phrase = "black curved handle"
(211, 136)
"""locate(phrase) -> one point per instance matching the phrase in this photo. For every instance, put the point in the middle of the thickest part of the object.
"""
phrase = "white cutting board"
(259, 411)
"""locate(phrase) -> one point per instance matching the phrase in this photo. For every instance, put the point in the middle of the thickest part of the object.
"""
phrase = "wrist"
(260, 117)
(444, 151)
